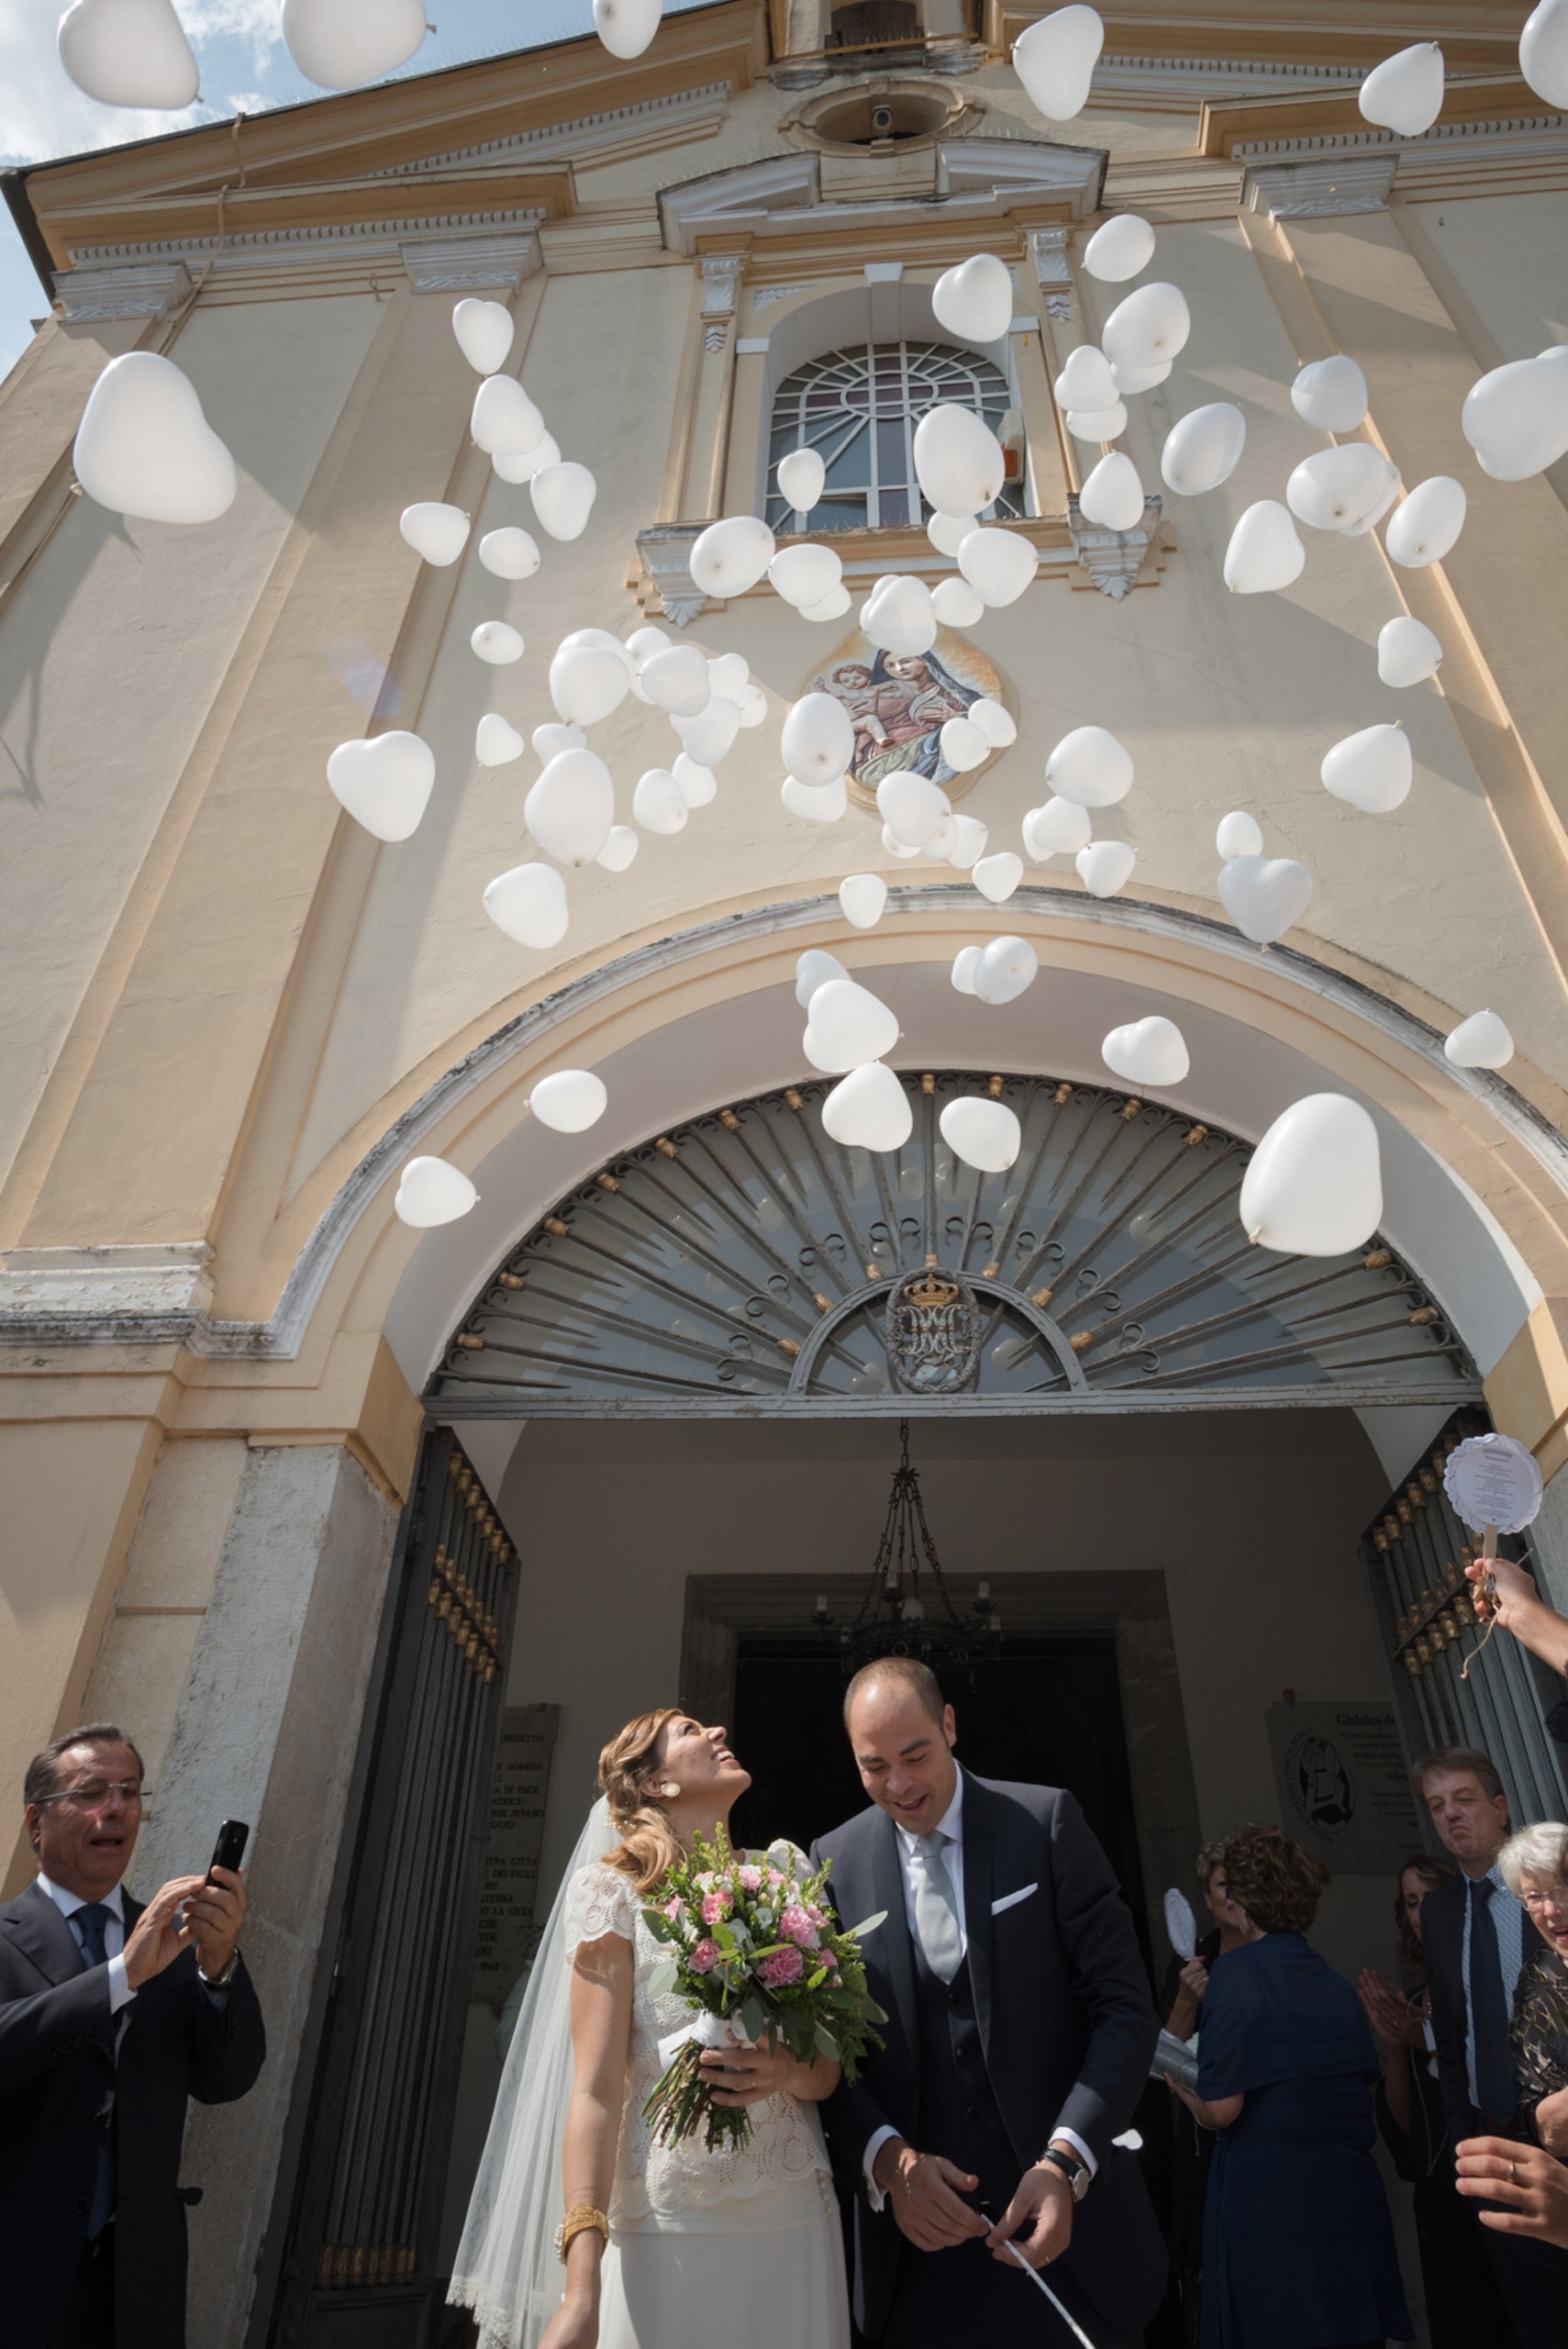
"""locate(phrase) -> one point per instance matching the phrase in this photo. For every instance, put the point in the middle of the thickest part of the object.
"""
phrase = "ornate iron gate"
(360, 2254)
(1416, 1554)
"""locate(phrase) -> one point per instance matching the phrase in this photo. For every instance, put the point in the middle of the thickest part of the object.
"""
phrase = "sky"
(244, 68)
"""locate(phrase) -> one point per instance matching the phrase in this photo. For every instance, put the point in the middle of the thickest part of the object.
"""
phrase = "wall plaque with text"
(508, 1928)
(1343, 1788)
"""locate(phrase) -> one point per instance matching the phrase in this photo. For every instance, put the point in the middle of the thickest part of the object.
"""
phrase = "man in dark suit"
(112, 2014)
(1019, 2038)
(1475, 1938)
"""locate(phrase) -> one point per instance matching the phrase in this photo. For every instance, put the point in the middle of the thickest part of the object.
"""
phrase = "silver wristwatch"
(1074, 2171)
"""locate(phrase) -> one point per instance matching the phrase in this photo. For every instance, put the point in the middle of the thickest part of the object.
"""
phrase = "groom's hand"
(925, 2191)
(1039, 2215)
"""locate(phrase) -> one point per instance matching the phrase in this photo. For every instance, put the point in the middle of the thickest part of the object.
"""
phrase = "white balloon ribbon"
(1035, 2276)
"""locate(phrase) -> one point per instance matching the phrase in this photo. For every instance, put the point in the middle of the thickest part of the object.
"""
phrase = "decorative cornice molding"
(720, 283)
(1113, 559)
(583, 135)
(439, 264)
(666, 562)
(112, 1295)
(281, 247)
(145, 290)
(1048, 250)
(1358, 171)
(1318, 189)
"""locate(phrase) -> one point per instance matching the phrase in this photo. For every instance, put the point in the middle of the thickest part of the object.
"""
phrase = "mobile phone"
(229, 1849)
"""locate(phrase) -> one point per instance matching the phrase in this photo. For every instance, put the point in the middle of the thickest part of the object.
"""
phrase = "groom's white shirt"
(912, 1868)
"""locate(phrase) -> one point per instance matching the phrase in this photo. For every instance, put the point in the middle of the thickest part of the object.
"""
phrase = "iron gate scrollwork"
(746, 1261)
(362, 2232)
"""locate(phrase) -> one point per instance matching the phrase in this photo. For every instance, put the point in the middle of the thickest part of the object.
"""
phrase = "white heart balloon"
(644, 642)
(586, 684)
(814, 969)
(338, 44)
(1059, 828)
(504, 420)
(753, 707)
(958, 459)
(563, 498)
(1336, 488)
(966, 844)
(496, 642)
(129, 53)
(145, 450)
(707, 737)
(1147, 1052)
(998, 876)
(676, 680)
(861, 898)
(1149, 326)
(1098, 423)
(1105, 866)
(517, 466)
(965, 962)
(530, 904)
(817, 739)
(1543, 51)
(831, 607)
(894, 846)
(431, 1192)
(898, 616)
(912, 807)
(1238, 834)
(658, 803)
(801, 476)
(805, 573)
(510, 553)
(947, 532)
(699, 784)
(1516, 418)
(1129, 380)
(626, 27)
(1264, 554)
(384, 781)
(868, 1111)
(822, 803)
(496, 743)
(998, 564)
(1203, 449)
(846, 1025)
(730, 557)
(621, 845)
(1406, 91)
(974, 301)
(963, 746)
(1006, 969)
(1055, 58)
(1119, 249)
(1372, 770)
(1330, 394)
(546, 742)
(1314, 1185)
(570, 807)
(1425, 526)
(1086, 382)
(1090, 766)
(568, 1101)
(1264, 894)
(1113, 495)
(956, 603)
(1481, 1042)
(484, 331)
(994, 722)
(1408, 651)
(985, 1134)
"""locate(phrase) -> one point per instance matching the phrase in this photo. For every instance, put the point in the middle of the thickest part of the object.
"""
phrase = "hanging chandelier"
(907, 1610)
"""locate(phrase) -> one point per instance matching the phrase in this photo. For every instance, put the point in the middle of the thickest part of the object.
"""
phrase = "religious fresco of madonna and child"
(899, 706)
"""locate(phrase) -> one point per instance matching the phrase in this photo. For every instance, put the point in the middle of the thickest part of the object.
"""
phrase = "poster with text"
(509, 1928)
(1344, 1790)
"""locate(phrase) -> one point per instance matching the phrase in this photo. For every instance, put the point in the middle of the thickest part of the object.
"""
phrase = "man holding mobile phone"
(113, 2014)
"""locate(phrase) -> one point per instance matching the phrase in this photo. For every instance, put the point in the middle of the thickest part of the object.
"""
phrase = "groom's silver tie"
(936, 1916)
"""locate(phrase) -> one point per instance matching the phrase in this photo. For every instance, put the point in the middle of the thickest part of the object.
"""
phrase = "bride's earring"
(669, 1791)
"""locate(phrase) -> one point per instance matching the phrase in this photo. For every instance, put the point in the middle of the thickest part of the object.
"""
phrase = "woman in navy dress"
(1298, 2248)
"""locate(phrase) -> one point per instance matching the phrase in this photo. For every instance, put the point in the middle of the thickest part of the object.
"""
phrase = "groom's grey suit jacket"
(1065, 2018)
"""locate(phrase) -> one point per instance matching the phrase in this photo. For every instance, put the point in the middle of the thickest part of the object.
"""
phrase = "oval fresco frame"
(894, 696)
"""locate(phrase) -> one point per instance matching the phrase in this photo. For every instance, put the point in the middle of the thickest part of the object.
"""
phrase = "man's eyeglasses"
(97, 1790)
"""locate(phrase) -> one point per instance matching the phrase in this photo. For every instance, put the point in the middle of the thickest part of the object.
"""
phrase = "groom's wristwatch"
(1074, 2171)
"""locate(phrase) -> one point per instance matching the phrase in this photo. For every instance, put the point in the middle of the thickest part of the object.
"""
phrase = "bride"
(582, 2233)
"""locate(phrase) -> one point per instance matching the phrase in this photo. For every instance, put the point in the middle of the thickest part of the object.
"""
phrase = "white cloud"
(254, 22)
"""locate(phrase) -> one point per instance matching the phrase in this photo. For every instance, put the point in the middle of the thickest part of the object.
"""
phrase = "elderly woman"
(1298, 2249)
(1534, 1865)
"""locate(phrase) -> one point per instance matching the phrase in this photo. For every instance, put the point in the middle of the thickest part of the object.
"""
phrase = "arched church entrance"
(1154, 1465)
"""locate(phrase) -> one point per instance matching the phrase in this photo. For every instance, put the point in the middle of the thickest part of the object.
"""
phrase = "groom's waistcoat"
(958, 2105)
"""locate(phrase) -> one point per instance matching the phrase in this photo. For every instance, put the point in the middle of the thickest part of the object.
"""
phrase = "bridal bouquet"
(754, 1950)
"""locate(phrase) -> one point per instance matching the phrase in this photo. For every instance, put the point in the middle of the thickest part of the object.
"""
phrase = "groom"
(1019, 2037)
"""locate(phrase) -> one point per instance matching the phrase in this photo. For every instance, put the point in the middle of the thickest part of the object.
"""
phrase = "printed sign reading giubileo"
(1343, 1788)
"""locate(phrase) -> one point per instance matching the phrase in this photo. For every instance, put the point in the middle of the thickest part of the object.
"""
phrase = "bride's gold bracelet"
(577, 2222)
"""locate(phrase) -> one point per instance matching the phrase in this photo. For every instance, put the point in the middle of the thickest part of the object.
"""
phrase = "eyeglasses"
(1535, 1901)
(97, 1790)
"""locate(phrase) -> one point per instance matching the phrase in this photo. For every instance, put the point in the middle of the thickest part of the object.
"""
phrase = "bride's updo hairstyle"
(629, 1774)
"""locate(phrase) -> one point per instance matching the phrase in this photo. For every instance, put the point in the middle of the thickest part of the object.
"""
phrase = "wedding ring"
(1513, 2174)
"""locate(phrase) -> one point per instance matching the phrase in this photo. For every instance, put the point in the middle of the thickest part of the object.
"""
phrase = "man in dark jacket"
(112, 2015)
(1019, 2037)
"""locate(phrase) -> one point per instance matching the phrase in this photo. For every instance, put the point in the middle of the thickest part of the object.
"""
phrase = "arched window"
(858, 408)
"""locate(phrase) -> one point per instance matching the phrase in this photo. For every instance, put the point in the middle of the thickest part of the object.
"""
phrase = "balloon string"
(1487, 1590)
(1036, 2277)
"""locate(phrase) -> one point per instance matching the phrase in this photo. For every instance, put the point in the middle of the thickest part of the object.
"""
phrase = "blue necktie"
(1489, 2011)
(90, 1921)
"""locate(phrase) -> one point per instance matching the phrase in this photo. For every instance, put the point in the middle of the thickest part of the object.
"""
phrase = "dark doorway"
(1047, 1710)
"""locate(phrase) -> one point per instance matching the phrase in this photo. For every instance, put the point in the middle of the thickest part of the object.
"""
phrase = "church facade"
(373, 1535)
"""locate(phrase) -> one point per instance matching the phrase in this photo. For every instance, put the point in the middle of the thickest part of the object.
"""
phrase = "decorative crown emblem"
(930, 1289)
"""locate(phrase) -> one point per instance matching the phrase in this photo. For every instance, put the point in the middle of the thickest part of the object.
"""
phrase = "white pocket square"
(1011, 1900)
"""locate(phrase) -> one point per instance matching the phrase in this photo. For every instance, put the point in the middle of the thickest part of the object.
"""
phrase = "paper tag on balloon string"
(1494, 1483)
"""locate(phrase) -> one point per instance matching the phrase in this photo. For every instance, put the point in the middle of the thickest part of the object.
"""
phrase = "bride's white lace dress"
(708, 2248)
